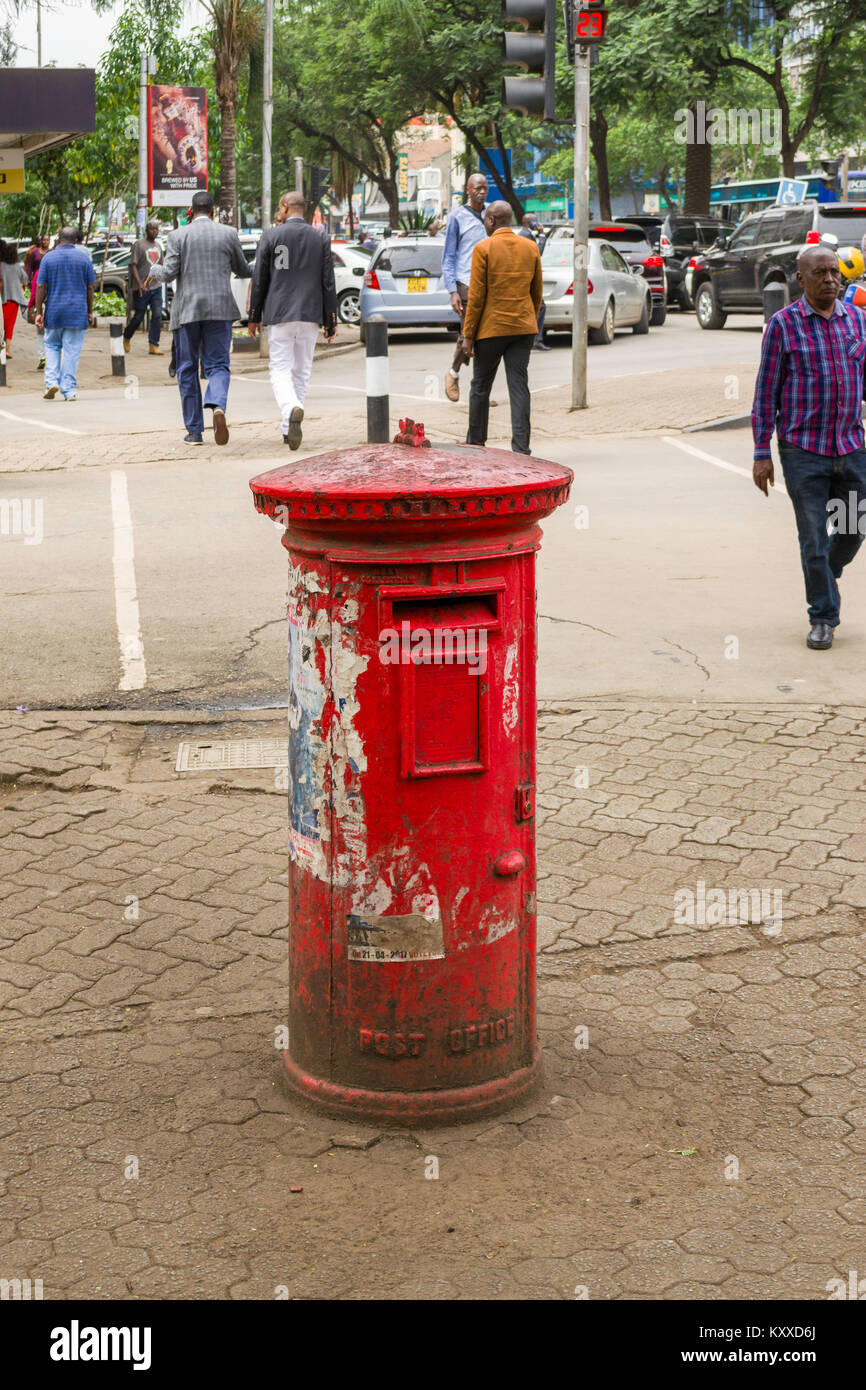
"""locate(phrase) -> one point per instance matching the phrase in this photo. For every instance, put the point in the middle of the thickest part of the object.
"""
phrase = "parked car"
(617, 297)
(763, 251)
(112, 270)
(404, 284)
(632, 244)
(350, 267)
(677, 237)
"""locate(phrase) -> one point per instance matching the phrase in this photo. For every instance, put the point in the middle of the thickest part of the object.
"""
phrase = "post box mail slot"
(443, 636)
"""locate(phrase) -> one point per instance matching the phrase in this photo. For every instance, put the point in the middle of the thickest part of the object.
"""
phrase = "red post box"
(412, 651)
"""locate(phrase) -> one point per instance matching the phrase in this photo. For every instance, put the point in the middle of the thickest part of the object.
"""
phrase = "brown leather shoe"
(452, 387)
(155, 351)
(220, 428)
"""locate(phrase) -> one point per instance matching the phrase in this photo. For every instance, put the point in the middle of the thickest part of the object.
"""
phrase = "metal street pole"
(299, 173)
(267, 113)
(581, 227)
(39, 33)
(141, 200)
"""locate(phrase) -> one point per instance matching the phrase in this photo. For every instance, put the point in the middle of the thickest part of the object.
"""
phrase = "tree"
(460, 72)
(8, 46)
(234, 33)
(342, 81)
(811, 41)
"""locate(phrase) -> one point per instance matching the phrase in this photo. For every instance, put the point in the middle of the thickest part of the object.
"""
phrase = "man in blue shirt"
(64, 307)
(463, 231)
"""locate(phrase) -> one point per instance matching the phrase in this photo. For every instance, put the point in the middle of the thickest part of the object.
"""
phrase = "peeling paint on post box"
(510, 692)
(307, 754)
(395, 914)
(348, 760)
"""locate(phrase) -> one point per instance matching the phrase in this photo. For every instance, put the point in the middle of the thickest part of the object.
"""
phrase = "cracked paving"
(701, 1125)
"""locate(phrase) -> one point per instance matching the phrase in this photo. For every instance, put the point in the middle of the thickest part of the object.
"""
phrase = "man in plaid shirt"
(810, 389)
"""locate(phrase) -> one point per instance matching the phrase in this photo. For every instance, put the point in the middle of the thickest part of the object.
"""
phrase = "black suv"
(678, 236)
(763, 251)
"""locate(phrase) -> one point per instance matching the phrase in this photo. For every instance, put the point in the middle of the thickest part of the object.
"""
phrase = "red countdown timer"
(590, 26)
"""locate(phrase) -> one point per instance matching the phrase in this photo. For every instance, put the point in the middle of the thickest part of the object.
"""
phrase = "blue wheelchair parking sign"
(791, 192)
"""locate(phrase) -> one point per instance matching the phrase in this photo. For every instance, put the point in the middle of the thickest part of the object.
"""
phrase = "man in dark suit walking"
(201, 257)
(293, 294)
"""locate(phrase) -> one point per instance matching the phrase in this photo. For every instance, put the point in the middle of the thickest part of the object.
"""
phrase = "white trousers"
(291, 347)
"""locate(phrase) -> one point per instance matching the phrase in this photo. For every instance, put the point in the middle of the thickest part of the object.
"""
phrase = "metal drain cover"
(232, 753)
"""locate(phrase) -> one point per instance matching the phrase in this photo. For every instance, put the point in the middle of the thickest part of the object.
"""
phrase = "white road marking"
(38, 424)
(125, 594)
(362, 391)
(719, 463)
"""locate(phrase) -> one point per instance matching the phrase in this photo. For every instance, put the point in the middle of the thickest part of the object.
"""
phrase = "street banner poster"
(176, 145)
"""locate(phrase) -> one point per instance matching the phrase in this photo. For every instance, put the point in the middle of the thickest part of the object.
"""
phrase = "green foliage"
(417, 221)
(109, 306)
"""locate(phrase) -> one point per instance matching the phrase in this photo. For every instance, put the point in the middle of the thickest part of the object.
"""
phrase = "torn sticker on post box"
(407, 937)
(307, 753)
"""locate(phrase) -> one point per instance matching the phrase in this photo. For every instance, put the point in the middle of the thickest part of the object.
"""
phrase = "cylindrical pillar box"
(412, 711)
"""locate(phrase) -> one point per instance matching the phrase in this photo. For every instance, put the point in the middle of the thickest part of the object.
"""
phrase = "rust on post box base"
(412, 651)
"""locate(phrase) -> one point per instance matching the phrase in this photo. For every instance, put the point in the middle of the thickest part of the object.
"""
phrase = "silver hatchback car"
(616, 297)
(404, 284)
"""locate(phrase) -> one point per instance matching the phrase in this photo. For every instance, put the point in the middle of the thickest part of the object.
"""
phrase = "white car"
(241, 288)
(617, 296)
(350, 267)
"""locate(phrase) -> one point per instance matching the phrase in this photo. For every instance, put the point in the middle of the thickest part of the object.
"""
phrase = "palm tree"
(236, 27)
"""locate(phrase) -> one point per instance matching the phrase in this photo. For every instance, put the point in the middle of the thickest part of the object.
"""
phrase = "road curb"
(724, 422)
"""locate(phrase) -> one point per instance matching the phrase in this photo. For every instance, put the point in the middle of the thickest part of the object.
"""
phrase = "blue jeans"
(814, 483)
(152, 300)
(212, 340)
(62, 351)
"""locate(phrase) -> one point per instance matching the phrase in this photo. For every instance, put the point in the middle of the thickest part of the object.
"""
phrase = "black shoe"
(540, 347)
(820, 637)
(294, 436)
(193, 439)
(172, 369)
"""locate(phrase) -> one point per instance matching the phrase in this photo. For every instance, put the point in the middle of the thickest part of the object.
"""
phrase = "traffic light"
(319, 180)
(534, 51)
(585, 25)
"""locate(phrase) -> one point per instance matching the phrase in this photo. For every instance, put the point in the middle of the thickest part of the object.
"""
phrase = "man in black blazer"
(293, 294)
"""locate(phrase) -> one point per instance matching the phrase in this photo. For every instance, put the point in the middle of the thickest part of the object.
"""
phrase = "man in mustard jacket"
(505, 292)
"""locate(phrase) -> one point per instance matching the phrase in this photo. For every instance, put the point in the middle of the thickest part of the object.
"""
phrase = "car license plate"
(417, 284)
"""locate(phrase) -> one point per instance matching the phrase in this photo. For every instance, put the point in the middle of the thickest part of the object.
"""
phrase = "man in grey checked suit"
(201, 257)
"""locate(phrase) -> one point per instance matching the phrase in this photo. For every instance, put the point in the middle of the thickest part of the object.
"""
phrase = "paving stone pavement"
(657, 402)
(701, 1126)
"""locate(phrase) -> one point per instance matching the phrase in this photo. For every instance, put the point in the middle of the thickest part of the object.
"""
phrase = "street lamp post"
(148, 66)
(267, 113)
(581, 227)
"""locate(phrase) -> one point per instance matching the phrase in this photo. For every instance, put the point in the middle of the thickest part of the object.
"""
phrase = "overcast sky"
(71, 32)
